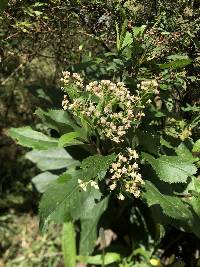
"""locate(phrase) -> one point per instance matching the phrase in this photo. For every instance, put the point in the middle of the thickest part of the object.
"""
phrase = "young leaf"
(171, 169)
(29, 138)
(69, 139)
(89, 226)
(171, 206)
(96, 166)
(52, 159)
(127, 41)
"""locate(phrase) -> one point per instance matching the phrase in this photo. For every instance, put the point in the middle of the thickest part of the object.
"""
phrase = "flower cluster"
(74, 78)
(108, 107)
(84, 185)
(149, 85)
(125, 174)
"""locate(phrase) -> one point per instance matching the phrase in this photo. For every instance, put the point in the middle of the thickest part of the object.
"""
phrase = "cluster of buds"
(108, 107)
(125, 175)
(148, 86)
(84, 185)
(70, 79)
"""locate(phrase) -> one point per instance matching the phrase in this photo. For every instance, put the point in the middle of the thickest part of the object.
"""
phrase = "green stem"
(69, 244)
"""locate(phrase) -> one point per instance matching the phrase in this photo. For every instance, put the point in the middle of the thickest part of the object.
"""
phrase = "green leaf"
(96, 166)
(3, 4)
(176, 64)
(196, 147)
(127, 41)
(149, 142)
(69, 139)
(89, 226)
(62, 201)
(61, 121)
(52, 159)
(42, 180)
(184, 152)
(171, 169)
(171, 206)
(58, 120)
(28, 137)
(195, 202)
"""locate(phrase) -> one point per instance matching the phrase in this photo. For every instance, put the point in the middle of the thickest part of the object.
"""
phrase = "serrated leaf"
(196, 147)
(52, 159)
(69, 139)
(127, 41)
(171, 169)
(64, 200)
(89, 226)
(28, 137)
(184, 152)
(42, 180)
(194, 202)
(171, 206)
(176, 64)
(96, 166)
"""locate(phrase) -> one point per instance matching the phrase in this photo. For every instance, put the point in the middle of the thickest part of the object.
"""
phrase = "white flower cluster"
(125, 174)
(149, 85)
(84, 185)
(74, 78)
(109, 107)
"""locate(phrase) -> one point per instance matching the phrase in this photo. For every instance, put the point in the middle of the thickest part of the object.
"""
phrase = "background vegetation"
(40, 39)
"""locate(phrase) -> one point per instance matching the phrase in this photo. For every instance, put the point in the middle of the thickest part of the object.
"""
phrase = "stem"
(69, 244)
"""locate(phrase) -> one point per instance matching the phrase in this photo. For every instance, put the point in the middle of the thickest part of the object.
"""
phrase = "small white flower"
(113, 186)
(121, 197)
(94, 184)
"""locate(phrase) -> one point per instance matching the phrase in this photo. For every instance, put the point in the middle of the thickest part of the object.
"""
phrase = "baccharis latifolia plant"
(112, 160)
(115, 167)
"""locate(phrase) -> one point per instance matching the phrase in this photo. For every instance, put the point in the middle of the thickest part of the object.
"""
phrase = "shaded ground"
(23, 246)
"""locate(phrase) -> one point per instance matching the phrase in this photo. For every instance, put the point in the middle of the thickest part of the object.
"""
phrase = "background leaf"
(42, 180)
(52, 159)
(28, 137)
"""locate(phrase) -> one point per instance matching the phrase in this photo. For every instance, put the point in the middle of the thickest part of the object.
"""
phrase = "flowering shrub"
(118, 159)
